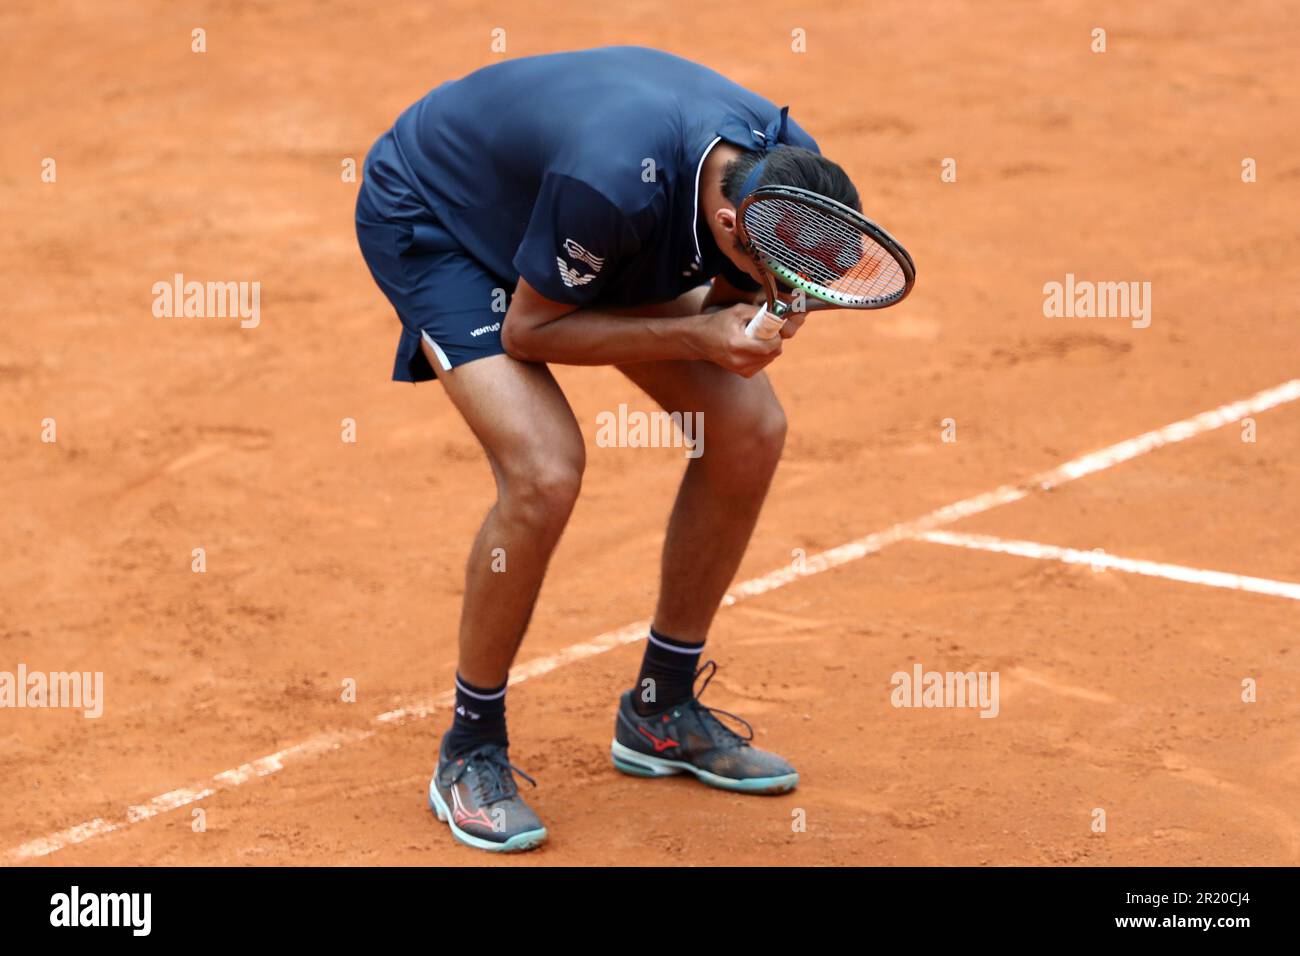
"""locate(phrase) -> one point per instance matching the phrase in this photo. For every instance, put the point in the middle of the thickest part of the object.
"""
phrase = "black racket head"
(825, 248)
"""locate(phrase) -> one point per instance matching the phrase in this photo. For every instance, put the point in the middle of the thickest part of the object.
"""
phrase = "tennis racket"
(821, 247)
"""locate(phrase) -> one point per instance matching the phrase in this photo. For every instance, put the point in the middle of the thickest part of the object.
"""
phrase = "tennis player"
(580, 208)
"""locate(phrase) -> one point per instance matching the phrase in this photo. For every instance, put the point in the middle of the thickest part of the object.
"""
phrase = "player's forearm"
(594, 337)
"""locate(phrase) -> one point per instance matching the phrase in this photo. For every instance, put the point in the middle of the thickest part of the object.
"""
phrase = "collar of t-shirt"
(740, 133)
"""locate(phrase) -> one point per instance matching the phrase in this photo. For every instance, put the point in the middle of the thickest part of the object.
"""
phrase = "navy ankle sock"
(667, 673)
(480, 717)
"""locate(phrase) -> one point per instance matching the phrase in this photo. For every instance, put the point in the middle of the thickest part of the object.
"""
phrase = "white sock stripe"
(669, 647)
(465, 690)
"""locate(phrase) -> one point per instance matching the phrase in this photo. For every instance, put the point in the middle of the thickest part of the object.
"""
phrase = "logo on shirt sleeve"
(569, 274)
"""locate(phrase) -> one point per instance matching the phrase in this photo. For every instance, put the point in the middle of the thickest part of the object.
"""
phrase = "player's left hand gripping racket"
(823, 248)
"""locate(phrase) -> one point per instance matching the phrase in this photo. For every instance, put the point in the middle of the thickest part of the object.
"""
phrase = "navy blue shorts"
(442, 295)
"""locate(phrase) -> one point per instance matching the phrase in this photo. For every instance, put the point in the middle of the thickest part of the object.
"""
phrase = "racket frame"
(770, 271)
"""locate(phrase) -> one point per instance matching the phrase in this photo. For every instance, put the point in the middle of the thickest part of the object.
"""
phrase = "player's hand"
(794, 317)
(793, 323)
(724, 342)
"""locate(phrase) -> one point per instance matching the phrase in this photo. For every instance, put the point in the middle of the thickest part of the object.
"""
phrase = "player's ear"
(725, 217)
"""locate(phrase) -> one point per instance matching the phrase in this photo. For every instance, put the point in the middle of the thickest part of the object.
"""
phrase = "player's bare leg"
(532, 442)
(722, 491)
(535, 449)
(662, 728)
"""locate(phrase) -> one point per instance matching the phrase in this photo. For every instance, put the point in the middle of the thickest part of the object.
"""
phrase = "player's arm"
(575, 240)
(538, 329)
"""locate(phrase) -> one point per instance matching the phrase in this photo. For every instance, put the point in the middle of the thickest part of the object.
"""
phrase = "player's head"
(781, 166)
(788, 166)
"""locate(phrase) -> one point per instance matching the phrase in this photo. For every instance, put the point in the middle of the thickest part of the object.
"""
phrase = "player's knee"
(761, 436)
(746, 446)
(772, 430)
(539, 491)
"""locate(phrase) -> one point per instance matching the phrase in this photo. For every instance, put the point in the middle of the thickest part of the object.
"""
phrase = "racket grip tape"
(764, 325)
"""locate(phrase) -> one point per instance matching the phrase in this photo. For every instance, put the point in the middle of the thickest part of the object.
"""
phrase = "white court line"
(815, 564)
(1100, 560)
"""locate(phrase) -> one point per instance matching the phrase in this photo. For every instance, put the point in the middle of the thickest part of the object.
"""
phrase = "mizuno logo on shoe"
(479, 816)
(462, 816)
(659, 744)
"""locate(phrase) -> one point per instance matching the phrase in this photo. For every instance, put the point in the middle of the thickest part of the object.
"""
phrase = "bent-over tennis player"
(580, 208)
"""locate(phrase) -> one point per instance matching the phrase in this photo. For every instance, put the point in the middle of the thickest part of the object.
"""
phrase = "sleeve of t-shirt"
(574, 241)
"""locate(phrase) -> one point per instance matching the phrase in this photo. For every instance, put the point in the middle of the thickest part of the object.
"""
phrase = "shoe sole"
(637, 764)
(519, 843)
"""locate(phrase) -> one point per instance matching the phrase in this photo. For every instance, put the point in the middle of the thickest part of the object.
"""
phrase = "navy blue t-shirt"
(578, 171)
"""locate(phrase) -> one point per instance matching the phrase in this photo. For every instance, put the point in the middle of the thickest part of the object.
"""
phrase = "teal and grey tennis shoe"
(689, 738)
(476, 795)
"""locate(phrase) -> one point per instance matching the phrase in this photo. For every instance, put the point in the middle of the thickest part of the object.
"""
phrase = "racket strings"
(823, 250)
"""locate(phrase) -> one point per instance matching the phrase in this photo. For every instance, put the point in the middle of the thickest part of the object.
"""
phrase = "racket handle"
(764, 324)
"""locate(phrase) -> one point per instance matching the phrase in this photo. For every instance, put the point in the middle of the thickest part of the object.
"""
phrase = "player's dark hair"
(791, 166)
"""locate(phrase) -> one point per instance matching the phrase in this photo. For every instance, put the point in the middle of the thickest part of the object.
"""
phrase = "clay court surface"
(328, 561)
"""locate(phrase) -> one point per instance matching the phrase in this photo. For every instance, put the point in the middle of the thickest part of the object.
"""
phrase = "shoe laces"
(493, 777)
(714, 712)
